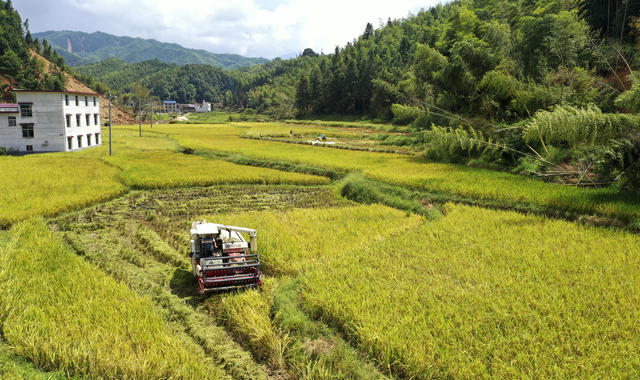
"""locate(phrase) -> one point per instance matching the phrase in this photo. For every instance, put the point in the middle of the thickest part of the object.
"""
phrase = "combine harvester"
(220, 257)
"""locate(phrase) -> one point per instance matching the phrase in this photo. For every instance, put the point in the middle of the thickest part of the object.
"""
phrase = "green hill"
(80, 48)
(184, 83)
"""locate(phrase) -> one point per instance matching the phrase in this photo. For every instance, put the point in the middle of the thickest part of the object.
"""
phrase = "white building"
(204, 107)
(50, 121)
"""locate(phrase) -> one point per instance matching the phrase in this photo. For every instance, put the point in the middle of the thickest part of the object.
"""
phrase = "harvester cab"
(222, 259)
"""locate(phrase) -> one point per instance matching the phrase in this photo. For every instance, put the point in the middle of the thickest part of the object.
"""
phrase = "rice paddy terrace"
(377, 264)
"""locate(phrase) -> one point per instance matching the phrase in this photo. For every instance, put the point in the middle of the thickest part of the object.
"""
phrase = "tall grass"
(63, 314)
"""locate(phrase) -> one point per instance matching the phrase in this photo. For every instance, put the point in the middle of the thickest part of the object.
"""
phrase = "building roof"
(59, 92)
(169, 102)
(8, 108)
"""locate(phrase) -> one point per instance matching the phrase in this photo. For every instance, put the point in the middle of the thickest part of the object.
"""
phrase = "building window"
(12, 121)
(25, 110)
(66, 100)
(76, 100)
(87, 118)
(79, 141)
(27, 131)
(95, 119)
(88, 140)
(70, 142)
(68, 120)
(94, 101)
(78, 120)
(29, 148)
(86, 101)
(97, 139)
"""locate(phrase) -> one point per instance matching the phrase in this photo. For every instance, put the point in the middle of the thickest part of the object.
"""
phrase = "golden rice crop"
(167, 169)
(484, 293)
(14, 367)
(477, 293)
(294, 241)
(285, 130)
(47, 184)
(407, 171)
(64, 314)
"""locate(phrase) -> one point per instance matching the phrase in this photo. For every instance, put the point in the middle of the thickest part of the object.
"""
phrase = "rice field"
(53, 183)
(476, 294)
(50, 184)
(165, 169)
(13, 366)
(478, 184)
(64, 314)
(473, 293)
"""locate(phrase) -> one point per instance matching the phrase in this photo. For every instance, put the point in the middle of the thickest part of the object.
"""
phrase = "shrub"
(405, 114)
(571, 125)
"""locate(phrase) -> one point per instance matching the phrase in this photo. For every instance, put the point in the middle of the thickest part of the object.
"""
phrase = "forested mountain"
(80, 48)
(453, 56)
(185, 84)
(18, 66)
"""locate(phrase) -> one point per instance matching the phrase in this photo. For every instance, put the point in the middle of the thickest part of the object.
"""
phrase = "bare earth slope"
(118, 115)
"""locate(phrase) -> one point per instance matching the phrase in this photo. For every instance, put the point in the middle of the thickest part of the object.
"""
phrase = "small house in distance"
(204, 107)
(171, 106)
(50, 121)
(187, 108)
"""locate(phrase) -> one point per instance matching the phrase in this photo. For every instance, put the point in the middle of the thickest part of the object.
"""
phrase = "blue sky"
(264, 28)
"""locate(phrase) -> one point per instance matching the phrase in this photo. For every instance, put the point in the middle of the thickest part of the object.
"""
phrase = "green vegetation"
(13, 366)
(184, 84)
(17, 65)
(361, 190)
(63, 313)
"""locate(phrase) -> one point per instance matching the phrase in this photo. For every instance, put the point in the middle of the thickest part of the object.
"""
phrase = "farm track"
(140, 239)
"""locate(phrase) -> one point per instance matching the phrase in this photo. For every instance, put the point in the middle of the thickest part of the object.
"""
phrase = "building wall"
(74, 130)
(204, 107)
(50, 129)
(171, 107)
(10, 137)
(47, 119)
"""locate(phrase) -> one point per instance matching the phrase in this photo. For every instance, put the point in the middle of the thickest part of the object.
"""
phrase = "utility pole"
(110, 152)
(140, 118)
(151, 106)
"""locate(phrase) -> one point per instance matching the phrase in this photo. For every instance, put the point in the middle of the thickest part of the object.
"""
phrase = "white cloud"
(267, 28)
